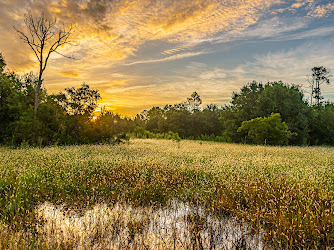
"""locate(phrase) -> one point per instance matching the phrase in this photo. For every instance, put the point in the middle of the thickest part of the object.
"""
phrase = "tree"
(2, 63)
(260, 100)
(246, 101)
(44, 37)
(322, 124)
(154, 115)
(267, 130)
(287, 100)
(175, 119)
(79, 101)
(243, 107)
(193, 101)
(205, 122)
(16, 101)
(319, 75)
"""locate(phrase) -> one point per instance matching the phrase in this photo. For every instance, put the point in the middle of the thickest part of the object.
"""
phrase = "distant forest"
(274, 113)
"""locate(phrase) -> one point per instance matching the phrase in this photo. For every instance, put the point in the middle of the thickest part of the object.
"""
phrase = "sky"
(145, 53)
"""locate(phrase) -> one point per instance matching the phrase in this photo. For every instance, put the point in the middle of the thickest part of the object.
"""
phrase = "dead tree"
(44, 37)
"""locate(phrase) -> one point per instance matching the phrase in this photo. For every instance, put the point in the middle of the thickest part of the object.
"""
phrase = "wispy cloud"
(69, 73)
(170, 58)
(310, 33)
(115, 34)
(118, 28)
(113, 30)
(290, 65)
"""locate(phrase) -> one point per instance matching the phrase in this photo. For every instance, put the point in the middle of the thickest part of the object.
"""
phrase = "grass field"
(285, 194)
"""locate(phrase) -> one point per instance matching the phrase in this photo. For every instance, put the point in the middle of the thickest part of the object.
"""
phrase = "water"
(176, 226)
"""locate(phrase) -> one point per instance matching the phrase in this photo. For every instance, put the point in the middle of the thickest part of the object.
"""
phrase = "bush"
(267, 130)
(141, 133)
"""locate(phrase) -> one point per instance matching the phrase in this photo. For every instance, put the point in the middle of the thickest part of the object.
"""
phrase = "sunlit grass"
(286, 191)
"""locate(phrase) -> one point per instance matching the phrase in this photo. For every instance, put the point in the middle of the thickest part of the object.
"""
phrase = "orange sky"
(144, 53)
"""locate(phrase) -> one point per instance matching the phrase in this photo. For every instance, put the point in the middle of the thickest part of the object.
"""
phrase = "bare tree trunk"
(38, 88)
(39, 84)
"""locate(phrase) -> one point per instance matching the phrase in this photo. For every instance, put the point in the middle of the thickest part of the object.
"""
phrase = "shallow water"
(175, 226)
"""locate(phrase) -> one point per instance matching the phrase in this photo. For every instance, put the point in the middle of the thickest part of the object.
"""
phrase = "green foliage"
(2, 63)
(176, 119)
(268, 130)
(16, 99)
(246, 101)
(288, 101)
(79, 101)
(26, 128)
(66, 118)
(242, 108)
(322, 124)
(141, 133)
(107, 126)
(182, 120)
(276, 190)
(258, 100)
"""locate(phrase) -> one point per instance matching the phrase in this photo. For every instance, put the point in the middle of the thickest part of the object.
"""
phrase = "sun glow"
(145, 53)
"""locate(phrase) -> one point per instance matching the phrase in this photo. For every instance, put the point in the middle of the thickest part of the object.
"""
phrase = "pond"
(122, 226)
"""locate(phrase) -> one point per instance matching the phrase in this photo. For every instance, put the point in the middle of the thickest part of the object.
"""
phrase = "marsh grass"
(285, 192)
(175, 226)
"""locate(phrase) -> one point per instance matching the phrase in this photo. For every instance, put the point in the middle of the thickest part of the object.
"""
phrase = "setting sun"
(145, 53)
(166, 124)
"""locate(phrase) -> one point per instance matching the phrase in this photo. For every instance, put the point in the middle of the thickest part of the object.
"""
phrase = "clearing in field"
(152, 194)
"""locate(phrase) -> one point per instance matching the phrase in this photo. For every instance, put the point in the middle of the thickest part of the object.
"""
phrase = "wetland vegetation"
(283, 195)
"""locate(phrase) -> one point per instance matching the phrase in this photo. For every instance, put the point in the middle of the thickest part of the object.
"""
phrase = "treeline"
(62, 119)
(273, 113)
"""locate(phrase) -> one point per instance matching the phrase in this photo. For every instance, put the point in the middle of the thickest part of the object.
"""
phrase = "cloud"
(273, 29)
(311, 33)
(216, 84)
(172, 51)
(113, 30)
(114, 34)
(297, 5)
(291, 65)
(118, 28)
(170, 58)
(319, 11)
(69, 73)
(214, 74)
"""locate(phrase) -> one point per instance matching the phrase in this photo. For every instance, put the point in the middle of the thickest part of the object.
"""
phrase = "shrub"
(266, 130)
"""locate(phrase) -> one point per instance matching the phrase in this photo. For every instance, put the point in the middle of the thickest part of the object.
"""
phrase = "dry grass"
(286, 192)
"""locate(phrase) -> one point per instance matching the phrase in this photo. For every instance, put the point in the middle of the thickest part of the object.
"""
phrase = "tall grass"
(286, 192)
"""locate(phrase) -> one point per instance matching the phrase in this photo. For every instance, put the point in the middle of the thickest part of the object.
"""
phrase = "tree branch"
(41, 32)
